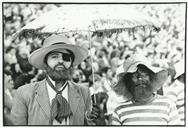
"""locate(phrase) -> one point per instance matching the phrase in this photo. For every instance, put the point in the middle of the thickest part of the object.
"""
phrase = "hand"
(94, 113)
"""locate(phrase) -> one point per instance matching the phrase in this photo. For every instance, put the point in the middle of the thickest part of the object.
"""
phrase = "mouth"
(59, 67)
(141, 85)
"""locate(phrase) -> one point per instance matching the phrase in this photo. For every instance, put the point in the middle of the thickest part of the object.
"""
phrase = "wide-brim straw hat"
(130, 66)
(57, 42)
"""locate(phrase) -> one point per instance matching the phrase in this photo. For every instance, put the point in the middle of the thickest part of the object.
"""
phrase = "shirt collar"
(53, 82)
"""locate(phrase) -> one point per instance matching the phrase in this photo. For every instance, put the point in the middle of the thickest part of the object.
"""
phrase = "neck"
(59, 84)
(145, 100)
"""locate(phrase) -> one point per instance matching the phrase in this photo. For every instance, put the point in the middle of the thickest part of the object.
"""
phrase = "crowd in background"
(108, 51)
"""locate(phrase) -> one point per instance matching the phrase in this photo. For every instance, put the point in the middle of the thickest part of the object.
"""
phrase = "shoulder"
(123, 105)
(28, 89)
(82, 89)
(164, 101)
(163, 98)
(79, 86)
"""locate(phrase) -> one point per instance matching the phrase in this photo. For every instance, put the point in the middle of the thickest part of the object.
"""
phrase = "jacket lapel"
(43, 97)
(74, 99)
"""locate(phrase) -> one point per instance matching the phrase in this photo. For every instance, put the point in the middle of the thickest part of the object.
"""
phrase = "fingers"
(95, 112)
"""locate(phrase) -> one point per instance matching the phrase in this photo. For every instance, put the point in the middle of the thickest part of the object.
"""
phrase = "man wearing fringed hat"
(56, 100)
(143, 106)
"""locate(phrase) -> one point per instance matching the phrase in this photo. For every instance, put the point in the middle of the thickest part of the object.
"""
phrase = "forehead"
(59, 51)
(143, 68)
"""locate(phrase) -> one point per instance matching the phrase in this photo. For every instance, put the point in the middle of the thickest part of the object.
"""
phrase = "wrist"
(87, 116)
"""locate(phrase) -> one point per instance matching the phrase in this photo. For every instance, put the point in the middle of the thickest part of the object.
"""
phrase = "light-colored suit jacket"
(31, 105)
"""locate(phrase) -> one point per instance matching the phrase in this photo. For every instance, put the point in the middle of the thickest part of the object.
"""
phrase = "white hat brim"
(37, 57)
(134, 67)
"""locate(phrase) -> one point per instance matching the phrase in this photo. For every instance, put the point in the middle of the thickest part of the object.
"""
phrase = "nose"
(61, 59)
(139, 78)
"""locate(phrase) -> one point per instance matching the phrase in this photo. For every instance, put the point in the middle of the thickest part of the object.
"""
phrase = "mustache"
(142, 83)
(60, 64)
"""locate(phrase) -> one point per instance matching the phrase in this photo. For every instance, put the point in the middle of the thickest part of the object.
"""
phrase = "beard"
(141, 92)
(59, 75)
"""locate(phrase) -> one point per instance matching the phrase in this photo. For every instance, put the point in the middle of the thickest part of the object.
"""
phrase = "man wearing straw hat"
(55, 100)
(139, 83)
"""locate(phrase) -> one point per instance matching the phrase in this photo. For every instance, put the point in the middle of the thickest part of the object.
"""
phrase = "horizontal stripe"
(140, 111)
(164, 108)
(180, 101)
(181, 95)
(145, 121)
(160, 102)
(180, 92)
(181, 109)
(172, 93)
(150, 123)
(180, 106)
(146, 115)
(173, 98)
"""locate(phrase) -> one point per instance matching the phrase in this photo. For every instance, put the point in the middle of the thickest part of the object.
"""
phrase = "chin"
(142, 93)
(60, 75)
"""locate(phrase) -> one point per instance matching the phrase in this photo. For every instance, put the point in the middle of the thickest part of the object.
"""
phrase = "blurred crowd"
(108, 52)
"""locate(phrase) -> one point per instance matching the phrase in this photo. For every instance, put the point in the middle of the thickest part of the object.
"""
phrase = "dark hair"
(104, 70)
(9, 49)
(22, 80)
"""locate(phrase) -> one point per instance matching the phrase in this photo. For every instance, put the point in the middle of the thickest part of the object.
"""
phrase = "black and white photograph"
(94, 64)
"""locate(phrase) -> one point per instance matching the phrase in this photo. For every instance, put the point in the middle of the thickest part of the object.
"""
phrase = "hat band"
(59, 43)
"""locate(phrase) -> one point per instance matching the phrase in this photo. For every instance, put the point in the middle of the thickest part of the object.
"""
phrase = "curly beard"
(59, 75)
(141, 93)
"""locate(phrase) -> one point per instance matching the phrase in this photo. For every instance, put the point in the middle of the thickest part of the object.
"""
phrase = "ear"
(121, 89)
(45, 66)
(159, 80)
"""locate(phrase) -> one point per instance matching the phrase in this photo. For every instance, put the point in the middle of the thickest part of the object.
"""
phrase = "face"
(109, 73)
(8, 82)
(83, 65)
(140, 84)
(59, 65)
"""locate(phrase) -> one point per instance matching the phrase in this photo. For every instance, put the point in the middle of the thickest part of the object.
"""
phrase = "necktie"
(60, 108)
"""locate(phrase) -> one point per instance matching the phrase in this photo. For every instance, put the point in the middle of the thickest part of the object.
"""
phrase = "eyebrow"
(54, 53)
(57, 52)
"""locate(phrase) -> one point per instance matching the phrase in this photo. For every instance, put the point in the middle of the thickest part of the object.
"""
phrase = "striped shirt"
(161, 111)
(176, 92)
